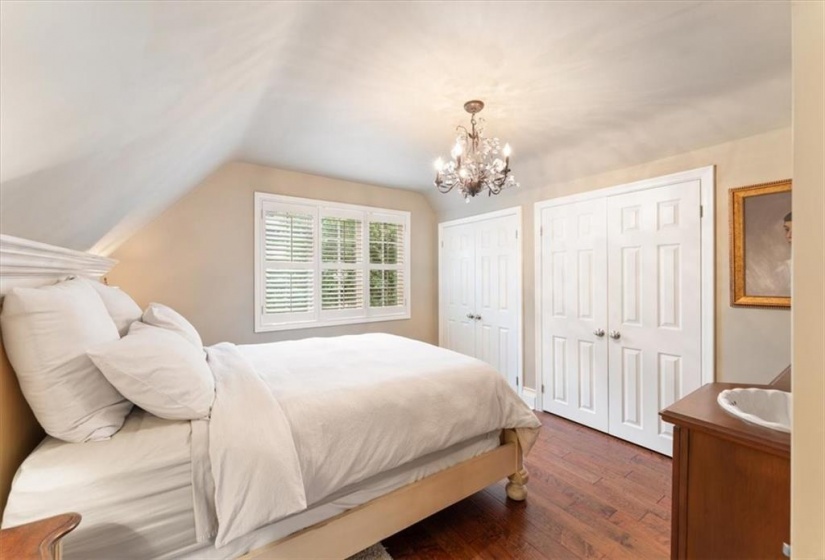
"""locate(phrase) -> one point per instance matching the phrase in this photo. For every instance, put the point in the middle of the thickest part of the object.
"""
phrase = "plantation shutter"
(322, 263)
(387, 254)
(289, 263)
(342, 263)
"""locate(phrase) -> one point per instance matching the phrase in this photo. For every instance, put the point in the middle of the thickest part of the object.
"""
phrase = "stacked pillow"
(160, 366)
(46, 332)
(122, 308)
(159, 315)
(64, 342)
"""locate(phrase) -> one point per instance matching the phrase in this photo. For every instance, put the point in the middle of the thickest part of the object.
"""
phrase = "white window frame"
(318, 317)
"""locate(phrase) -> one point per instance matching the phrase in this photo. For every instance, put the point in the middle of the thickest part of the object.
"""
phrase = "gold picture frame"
(760, 236)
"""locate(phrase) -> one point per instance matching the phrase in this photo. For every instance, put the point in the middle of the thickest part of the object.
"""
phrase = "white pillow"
(159, 315)
(121, 306)
(46, 332)
(159, 371)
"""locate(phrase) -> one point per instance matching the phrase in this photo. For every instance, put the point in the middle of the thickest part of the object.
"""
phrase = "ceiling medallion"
(478, 164)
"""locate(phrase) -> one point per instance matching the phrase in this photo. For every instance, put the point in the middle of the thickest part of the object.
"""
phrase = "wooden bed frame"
(24, 262)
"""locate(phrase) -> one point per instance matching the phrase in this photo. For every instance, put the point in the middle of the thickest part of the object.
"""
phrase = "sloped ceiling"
(110, 111)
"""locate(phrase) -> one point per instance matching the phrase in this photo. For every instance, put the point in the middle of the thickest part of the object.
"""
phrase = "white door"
(498, 290)
(654, 309)
(458, 288)
(574, 312)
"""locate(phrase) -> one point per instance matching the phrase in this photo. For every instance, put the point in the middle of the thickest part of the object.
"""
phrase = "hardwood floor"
(589, 496)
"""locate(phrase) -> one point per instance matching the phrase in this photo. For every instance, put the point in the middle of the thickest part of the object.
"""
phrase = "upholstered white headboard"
(29, 263)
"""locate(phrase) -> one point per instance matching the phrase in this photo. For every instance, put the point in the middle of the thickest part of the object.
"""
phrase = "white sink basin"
(764, 407)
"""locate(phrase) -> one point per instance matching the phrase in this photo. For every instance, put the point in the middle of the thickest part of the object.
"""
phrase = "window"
(319, 263)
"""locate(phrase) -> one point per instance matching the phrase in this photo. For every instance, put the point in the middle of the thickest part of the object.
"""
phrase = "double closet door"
(480, 290)
(619, 312)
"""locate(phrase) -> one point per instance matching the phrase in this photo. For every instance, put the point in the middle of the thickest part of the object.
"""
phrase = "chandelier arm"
(442, 188)
(495, 186)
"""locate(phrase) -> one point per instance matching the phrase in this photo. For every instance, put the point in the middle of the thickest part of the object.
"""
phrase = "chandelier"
(478, 164)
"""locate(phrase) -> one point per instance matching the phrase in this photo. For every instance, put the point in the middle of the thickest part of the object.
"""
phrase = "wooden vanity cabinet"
(731, 482)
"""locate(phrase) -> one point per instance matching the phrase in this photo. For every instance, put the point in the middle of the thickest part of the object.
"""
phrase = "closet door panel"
(654, 299)
(497, 294)
(574, 311)
(458, 288)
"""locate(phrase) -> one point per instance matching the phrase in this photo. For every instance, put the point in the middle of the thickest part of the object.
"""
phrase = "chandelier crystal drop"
(477, 163)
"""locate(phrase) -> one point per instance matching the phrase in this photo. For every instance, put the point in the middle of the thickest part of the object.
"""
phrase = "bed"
(166, 488)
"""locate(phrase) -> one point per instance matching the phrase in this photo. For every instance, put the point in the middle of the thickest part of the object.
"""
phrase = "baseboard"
(528, 395)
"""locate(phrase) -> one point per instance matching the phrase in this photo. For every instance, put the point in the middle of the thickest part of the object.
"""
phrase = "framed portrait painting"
(761, 225)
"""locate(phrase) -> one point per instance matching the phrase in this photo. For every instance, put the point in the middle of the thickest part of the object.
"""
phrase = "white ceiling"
(110, 111)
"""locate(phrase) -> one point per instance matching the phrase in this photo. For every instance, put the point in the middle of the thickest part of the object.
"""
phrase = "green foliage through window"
(385, 289)
(386, 243)
(340, 240)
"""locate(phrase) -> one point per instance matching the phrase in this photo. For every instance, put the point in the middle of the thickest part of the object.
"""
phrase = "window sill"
(331, 323)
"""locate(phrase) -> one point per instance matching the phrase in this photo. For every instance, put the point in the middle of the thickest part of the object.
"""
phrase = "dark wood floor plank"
(643, 499)
(616, 498)
(655, 535)
(651, 460)
(589, 496)
(660, 529)
(558, 527)
(559, 465)
(605, 466)
(645, 494)
(614, 541)
(649, 479)
(523, 529)
(592, 441)
(667, 504)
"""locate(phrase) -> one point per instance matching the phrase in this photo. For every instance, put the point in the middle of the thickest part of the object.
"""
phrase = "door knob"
(599, 332)
(615, 335)
(470, 316)
(478, 317)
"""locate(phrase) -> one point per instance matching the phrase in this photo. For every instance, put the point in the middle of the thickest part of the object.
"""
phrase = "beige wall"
(808, 435)
(198, 256)
(752, 345)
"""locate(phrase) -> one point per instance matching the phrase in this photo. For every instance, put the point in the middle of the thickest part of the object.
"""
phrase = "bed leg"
(517, 487)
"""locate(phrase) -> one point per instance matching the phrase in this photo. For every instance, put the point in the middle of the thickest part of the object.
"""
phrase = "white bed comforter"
(295, 421)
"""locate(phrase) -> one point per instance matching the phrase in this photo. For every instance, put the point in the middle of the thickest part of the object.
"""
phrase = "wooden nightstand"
(38, 540)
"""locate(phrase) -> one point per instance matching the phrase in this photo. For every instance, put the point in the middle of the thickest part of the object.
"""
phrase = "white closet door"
(458, 289)
(498, 288)
(574, 312)
(654, 296)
